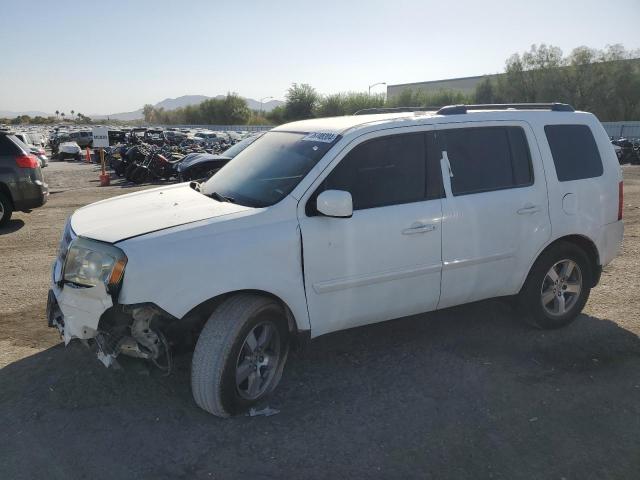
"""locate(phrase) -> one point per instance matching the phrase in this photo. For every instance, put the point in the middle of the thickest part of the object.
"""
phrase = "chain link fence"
(629, 130)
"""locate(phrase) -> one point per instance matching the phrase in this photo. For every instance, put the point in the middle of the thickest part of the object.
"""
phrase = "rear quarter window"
(574, 151)
(11, 145)
(6, 147)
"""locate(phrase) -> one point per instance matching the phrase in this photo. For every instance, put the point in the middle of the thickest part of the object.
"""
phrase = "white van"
(333, 223)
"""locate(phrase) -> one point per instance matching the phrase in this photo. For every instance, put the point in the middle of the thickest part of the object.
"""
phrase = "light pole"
(379, 83)
(262, 101)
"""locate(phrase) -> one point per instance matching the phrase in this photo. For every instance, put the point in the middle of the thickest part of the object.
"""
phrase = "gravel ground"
(462, 393)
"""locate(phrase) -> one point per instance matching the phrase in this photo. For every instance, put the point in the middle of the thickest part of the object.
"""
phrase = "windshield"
(269, 169)
(240, 146)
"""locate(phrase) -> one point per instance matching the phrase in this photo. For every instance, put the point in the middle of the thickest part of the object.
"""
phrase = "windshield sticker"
(324, 137)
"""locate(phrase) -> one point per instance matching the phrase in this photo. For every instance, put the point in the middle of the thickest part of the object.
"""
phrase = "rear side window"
(484, 159)
(10, 145)
(6, 147)
(574, 151)
(384, 171)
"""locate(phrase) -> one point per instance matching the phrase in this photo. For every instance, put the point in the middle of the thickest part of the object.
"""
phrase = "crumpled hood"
(148, 211)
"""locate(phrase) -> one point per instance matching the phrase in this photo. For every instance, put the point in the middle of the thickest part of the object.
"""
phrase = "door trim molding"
(372, 278)
(451, 265)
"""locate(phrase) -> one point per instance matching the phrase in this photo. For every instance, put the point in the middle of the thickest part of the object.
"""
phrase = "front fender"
(180, 268)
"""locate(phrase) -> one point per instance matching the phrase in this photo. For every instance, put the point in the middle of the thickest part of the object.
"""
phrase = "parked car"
(69, 150)
(154, 136)
(22, 187)
(83, 138)
(334, 223)
(36, 139)
(39, 152)
(206, 137)
(116, 137)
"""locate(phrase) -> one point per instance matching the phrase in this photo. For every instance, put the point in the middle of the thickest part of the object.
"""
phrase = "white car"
(327, 224)
(69, 150)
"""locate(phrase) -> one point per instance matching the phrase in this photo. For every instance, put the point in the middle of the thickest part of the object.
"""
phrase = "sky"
(114, 56)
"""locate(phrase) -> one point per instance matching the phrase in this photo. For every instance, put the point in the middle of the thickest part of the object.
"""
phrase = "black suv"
(21, 184)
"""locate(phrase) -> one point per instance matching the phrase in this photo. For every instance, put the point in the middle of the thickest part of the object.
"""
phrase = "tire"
(537, 300)
(139, 175)
(6, 210)
(129, 171)
(220, 345)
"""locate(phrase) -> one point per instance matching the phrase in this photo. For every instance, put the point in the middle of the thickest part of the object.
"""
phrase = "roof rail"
(368, 111)
(461, 109)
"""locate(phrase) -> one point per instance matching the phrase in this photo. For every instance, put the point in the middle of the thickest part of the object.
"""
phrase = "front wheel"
(557, 287)
(240, 354)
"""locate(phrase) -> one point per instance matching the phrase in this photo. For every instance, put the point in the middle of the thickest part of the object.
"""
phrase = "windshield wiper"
(222, 198)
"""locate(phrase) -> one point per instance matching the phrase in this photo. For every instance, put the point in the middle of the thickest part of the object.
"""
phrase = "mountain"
(184, 101)
(32, 113)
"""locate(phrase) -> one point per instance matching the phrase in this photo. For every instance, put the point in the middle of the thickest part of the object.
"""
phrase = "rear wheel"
(240, 354)
(6, 209)
(557, 287)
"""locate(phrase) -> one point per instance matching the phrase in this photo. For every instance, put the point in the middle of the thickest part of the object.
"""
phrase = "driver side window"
(384, 171)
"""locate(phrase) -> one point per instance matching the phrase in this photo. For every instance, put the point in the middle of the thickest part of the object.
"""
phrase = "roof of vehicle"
(455, 113)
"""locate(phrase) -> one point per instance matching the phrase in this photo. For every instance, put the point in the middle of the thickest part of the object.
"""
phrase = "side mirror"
(335, 203)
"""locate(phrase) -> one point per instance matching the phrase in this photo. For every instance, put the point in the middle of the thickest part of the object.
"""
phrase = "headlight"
(89, 263)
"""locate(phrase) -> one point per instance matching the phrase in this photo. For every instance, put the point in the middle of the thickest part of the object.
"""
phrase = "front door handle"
(418, 228)
(528, 209)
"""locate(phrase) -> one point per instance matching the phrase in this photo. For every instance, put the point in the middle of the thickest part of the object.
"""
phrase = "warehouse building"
(462, 84)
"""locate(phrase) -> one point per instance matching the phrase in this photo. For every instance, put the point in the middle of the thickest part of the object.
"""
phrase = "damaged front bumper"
(77, 313)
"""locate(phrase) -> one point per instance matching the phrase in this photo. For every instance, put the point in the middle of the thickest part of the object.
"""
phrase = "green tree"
(147, 111)
(604, 82)
(276, 116)
(484, 92)
(301, 100)
(234, 110)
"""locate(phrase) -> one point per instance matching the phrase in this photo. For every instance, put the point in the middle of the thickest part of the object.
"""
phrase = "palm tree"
(72, 113)
(62, 115)
(57, 113)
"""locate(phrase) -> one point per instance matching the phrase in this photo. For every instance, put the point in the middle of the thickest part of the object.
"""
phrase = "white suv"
(328, 224)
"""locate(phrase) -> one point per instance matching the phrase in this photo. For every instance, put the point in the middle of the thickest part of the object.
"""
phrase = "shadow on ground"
(463, 393)
(13, 226)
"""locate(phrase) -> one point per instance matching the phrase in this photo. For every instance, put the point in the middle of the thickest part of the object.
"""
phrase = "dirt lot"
(462, 393)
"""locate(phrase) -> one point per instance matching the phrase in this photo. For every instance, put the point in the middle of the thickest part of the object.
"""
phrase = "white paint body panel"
(490, 238)
(181, 267)
(127, 216)
(364, 269)
(381, 263)
(184, 248)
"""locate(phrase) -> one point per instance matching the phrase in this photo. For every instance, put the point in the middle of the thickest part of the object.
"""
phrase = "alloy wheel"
(258, 360)
(561, 288)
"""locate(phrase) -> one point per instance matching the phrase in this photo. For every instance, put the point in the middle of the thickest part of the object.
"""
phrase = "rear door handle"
(528, 209)
(418, 228)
